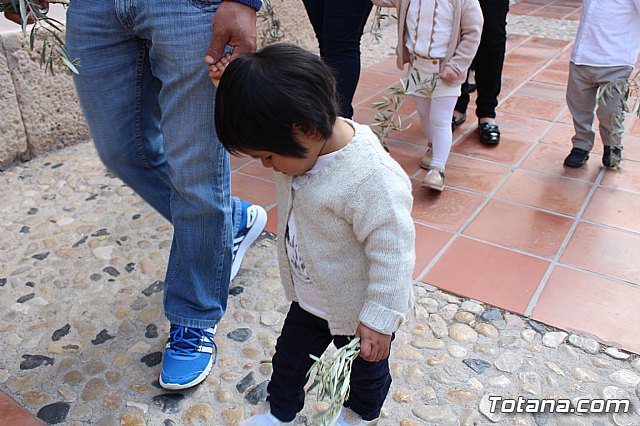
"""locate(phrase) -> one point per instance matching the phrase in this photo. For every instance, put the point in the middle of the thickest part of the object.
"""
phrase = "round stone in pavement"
(54, 413)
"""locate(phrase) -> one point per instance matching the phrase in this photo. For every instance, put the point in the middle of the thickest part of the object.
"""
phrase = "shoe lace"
(187, 341)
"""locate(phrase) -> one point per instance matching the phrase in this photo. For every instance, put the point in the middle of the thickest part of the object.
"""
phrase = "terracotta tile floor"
(514, 228)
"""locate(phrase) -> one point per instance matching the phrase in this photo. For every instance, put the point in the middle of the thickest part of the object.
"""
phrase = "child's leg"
(302, 334)
(612, 107)
(435, 114)
(370, 382)
(581, 100)
(423, 106)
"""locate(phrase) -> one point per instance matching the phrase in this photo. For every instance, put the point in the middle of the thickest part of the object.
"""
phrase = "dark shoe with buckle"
(577, 157)
(489, 133)
(612, 156)
(456, 121)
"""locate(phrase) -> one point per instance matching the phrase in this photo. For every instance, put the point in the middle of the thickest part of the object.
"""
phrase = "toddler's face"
(293, 166)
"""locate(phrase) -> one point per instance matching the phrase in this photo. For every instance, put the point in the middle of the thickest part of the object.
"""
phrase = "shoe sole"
(435, 188)
(197, 380)
(252, 235)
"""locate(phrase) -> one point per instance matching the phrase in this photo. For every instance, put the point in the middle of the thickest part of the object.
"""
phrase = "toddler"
(345, 232)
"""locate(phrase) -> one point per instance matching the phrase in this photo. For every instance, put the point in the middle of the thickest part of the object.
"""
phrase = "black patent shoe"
(489, 133)
(577, 157)
(612, 156)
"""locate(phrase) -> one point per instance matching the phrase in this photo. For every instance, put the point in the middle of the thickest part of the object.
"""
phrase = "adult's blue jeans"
(144, 90)
(338, 26)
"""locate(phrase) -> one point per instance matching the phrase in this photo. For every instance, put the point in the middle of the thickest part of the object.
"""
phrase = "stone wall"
(40, 112)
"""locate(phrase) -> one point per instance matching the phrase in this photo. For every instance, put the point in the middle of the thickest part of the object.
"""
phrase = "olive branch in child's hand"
(53, 46)
(332, 380)
(389, 116)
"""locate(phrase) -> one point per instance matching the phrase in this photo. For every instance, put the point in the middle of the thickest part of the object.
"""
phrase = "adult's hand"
(15, 16)
(233, 24)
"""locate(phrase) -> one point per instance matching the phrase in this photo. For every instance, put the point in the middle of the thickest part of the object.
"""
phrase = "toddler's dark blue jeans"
(304, 334)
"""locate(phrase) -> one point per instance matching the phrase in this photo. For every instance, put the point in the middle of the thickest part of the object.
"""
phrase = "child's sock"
(265, 419)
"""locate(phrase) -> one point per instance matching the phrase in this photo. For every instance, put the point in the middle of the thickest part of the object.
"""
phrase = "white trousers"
(435, 120)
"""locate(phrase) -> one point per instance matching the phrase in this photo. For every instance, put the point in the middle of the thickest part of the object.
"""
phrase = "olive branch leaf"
(53, 46)
(332, 380)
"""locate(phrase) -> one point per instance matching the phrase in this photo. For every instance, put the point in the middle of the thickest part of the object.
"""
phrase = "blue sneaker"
(188, 357)
(254, 219)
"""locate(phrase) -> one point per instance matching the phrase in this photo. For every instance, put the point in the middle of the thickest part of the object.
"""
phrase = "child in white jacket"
(438, 39)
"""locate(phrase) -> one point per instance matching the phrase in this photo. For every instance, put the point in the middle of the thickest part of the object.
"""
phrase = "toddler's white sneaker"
(265, 419)
(348, 417)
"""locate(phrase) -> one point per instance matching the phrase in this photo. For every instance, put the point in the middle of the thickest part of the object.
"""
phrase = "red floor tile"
(363, 96)
(508, 86)
(554, 11)
(631, 149)
(494, 275)
(532, 107)
(607, 251)
(540, 90)
(412, 132)
(377, 80)
(407, 154)
(548, 192)
(546, 158)
(365, 115)
(509, 151)
(517, 127)
(447, 210)
(548, 43)
(521, 228)
(583, 303)
(560, 134)
(429, 241)
(12, 414)
(614, 208)
(523, 8)
(627, 178)
(237, 162)
(552, 77)
(253, 190)
(473, 174)
(519, 72)
(388, 66)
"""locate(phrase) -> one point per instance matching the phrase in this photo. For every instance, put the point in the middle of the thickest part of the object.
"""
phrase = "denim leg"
(144, 87)
(338, 26)
(118, 95)
(302, 334)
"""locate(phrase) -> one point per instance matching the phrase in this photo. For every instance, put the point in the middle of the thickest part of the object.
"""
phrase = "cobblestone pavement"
(83, 330)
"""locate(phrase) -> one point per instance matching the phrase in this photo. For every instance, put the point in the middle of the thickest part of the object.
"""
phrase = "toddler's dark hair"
(262, 95)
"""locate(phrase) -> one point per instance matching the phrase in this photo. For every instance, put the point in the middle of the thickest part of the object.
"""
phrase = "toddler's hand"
(448, 75)
(374, 346)
(216, 70)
